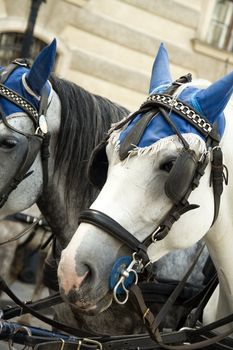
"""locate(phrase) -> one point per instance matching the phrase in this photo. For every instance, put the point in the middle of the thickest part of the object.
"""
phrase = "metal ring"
(120, 282)
(135, 275)
(79, 345)
(92, 342)
(144, 315)
(10, 344)
(20, 329)
(153, 238)
(25, 329)
(62, 344)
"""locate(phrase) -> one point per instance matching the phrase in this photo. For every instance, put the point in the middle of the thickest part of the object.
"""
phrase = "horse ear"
(214, 99)
(42, 68)
(161, 71)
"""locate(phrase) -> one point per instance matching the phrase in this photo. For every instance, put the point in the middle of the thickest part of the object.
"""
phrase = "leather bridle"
(61, 341)
(160, 103)
(140, 248)
(164, 103)
(36, 142)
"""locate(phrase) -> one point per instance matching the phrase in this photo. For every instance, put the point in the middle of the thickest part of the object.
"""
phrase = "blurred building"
(108, 46)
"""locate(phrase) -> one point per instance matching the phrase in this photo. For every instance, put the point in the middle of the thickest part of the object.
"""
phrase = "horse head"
(25, 96)
(157, 195)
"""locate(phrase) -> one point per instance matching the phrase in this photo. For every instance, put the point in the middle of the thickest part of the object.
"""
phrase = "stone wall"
(108, 46)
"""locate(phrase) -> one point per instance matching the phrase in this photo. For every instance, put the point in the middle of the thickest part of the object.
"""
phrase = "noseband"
(36, 142)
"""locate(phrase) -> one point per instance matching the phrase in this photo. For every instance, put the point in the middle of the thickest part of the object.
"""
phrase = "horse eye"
(167, 165)
(8, 143)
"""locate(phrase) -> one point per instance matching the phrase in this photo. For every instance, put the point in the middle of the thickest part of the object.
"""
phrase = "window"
(11, 45)
(220, 32)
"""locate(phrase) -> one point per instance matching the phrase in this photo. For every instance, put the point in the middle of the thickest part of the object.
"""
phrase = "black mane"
(85, 118)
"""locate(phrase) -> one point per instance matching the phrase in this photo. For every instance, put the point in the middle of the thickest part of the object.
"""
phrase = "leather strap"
(33, 147)
(28, 309)
(203, 297)
(41, 304)
(64, 345)
(147, 316)
(197, 120)
(165, 225)
(217, 178)
(7, 72)
(22, 233)
(36, 142)
(134, 135)
(45, 154)
(20, 101)
(152, 323)
(106, 223)
(34, 336)
(28, 219)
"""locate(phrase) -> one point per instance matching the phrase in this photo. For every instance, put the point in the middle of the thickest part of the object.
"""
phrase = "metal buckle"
(153, 237)
(22, 63)
(21, 329)
(144, 315)
(203, 156)
(211, 150)
(91, 342)
(62, 344)
(79, 345)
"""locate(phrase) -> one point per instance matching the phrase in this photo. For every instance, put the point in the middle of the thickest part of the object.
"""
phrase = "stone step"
(76, 38)
(147, 22)
(121, 95)
(186, 15)
(110, 71)
(110, 62)
(113, 52)
(103, 26)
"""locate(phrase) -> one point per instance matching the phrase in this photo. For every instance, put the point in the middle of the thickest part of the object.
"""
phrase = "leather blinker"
(181, 175)
(97, 168)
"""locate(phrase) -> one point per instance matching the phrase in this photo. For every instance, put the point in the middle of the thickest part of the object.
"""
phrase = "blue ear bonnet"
(15, 83)
(158, 128)
(36, 79)
(209, 102)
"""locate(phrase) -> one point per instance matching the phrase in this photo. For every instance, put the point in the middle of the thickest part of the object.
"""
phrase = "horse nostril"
(8, 143)
(89, 275)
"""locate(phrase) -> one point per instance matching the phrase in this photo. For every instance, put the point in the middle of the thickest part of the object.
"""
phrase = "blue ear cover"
(36, 79)
(42, 67)
(161, 74)
(213, 100)
(210, 102)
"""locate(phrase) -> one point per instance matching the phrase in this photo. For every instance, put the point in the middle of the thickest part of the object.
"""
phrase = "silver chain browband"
(20, 102)
(181, 108)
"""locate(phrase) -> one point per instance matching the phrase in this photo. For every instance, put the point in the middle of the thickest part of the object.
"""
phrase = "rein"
(34, 222)
(141, 263)
(79, 339)
(23, 233)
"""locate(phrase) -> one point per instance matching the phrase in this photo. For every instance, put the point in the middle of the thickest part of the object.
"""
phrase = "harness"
(36, 142)
(178, 192)
(41, 339)
(140, 264)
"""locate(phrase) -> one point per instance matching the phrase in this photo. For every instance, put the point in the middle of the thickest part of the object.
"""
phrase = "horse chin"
(102, 305)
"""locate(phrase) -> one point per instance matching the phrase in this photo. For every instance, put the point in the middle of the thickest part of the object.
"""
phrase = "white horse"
(135, 195)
